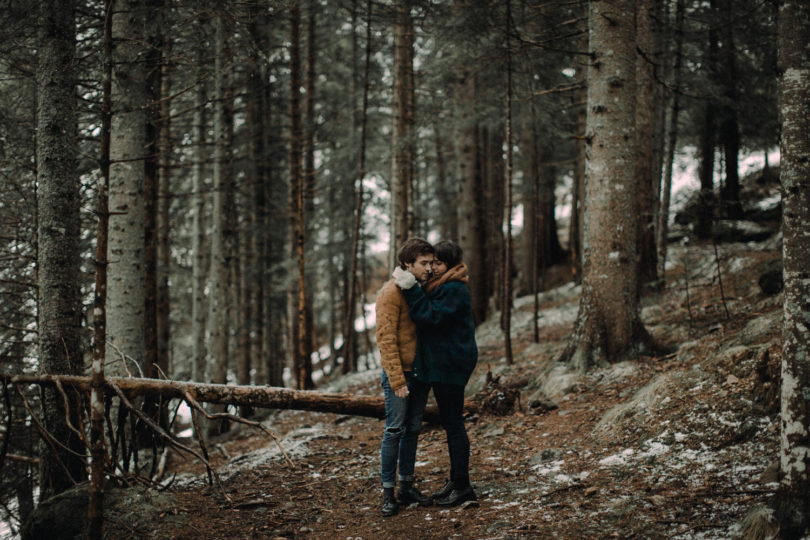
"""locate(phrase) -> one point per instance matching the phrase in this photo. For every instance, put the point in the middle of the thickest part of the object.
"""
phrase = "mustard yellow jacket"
(396, 334)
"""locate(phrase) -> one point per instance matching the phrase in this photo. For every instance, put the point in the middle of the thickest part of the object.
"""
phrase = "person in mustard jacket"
(405, 395)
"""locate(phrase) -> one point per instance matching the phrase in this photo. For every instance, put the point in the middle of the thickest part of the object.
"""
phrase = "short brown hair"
(413, 248)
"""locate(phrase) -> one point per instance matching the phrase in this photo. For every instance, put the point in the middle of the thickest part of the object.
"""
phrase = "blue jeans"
(403, 421)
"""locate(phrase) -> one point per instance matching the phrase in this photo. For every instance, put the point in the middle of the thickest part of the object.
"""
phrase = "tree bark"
(729, 126)
(259, 124)
(402, 134)
(671, 141)
(793, 499)
(223, 241)
(608, 326)
(706, 199)
(126, 314)
(645, 106)
(578, 189)
(267, 397)
(154, 126)
(302, 365)
(95, 504)
(198, 242)
(448, 224)
(470, 186)
(163, 226)
(59, 306)
(349, 333)
(507, 206)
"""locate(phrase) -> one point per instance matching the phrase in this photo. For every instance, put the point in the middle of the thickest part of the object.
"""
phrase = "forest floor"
(680, 445)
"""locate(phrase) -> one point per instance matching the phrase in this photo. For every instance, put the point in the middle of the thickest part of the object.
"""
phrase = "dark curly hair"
(449, 253)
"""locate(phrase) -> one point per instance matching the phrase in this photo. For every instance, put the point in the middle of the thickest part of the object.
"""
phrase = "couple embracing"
(426, 337)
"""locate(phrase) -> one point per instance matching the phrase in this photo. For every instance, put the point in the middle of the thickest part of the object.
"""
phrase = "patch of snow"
(656, 449)
(613, 461)
(548, 468)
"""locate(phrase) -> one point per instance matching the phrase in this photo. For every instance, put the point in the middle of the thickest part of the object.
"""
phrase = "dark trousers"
(450, 398)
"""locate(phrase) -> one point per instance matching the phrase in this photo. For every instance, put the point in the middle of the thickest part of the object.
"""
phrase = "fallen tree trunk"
(267, 397)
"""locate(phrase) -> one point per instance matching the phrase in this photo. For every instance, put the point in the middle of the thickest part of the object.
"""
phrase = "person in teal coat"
(446, 355)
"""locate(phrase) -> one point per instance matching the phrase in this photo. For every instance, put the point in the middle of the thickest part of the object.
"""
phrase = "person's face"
(438, 267)
(420, 268)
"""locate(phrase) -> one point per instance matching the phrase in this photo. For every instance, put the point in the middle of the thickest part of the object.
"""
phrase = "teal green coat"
(446, 351)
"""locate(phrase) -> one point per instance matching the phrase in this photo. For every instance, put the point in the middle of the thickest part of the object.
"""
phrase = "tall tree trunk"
(244, 284)
(349, 334)
(706, 199)
(608, 326)
(150, 182)
(152, 160)
(671, 141)
(550, 251)
(448, 224)
(793, 498)
(645, 108)
(492, 242)
(223, 239)
(59, 309)
(302, 365)
(469, 191)
(662, 35)
(163, 209)
(95, 503)
(531, 215)
(729, 126)
(276, 298)
(402, 134)
(258, 118)
(507, 266)
(578, 188)
(126, 316)
(198, 239)
(309, 178)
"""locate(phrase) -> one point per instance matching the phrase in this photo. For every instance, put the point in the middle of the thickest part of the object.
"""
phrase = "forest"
(200, 201)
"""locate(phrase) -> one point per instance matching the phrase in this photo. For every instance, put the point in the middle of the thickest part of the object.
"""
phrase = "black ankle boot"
(409, 495)
(459, 496)
(444, 492)
(389, 505)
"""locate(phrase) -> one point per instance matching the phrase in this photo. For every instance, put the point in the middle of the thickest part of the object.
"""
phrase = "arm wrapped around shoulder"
(404, 279)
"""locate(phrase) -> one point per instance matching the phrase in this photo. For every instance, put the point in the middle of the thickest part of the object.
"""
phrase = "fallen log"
(266, 397)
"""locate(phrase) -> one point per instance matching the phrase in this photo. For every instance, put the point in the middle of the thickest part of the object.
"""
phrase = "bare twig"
(22, 459)
(560, 490)
(198, 434)
(720, 278)
(686, 281)
(47, 437)
(124, 359)
(79, 433)
(155, 427)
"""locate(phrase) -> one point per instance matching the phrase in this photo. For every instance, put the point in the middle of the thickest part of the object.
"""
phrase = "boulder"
(137, 510)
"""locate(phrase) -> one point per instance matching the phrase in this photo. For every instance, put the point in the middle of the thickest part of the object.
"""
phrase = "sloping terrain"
(679, 446)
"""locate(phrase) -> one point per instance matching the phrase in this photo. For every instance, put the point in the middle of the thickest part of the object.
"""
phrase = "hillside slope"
(679, 446)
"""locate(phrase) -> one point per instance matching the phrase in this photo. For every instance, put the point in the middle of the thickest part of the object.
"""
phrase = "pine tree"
(608, 326)
(59, 307)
